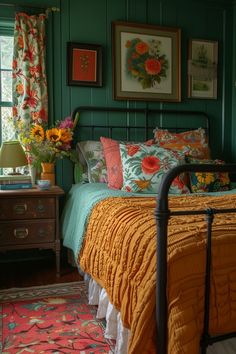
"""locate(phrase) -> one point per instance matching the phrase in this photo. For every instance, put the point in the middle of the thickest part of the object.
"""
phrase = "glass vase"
(33, 172)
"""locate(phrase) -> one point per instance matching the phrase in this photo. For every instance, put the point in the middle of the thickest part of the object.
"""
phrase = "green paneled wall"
(90, 22)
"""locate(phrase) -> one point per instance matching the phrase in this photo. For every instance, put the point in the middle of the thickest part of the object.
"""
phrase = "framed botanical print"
(146, 62)
(84, 64)
(202, 68)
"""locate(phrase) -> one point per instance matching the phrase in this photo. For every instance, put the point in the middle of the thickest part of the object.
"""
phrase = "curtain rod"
(48, 9)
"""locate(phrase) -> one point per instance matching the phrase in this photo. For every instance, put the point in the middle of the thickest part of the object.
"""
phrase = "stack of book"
(8, 182)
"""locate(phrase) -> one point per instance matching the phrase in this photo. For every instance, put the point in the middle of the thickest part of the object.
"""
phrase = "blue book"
(15, 186)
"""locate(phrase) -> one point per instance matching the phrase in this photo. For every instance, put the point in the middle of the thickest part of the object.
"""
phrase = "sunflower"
(66, 135)
(53, 134)
(37, 133)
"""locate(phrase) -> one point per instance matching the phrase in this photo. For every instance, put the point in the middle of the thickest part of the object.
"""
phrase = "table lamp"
(12, 155)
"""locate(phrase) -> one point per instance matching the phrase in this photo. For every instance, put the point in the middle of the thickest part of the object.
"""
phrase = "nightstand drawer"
(27, 208)
(22, 233)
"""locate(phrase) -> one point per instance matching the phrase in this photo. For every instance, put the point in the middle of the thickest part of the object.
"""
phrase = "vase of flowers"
(44, 146)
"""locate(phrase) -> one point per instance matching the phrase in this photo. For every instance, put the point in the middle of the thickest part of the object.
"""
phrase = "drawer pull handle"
(20, 208)
(41, 208)
(42, 232)
(21, 232)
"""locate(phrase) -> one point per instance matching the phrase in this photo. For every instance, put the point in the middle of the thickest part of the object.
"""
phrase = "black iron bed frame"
(146, 112)
(162, 215)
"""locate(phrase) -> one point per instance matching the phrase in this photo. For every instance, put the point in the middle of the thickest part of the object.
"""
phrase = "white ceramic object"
(44, 184)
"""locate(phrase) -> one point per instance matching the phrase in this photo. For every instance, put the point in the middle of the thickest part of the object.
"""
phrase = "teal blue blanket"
(80, 201)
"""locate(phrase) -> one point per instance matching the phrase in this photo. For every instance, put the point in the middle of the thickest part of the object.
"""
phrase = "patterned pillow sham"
(144, 166)
(208, 181)
(192, 143)
(92, 153)
(111, 152)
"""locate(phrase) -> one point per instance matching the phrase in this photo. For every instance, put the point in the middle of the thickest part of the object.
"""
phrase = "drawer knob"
(42, 232)
(40, 208)
(21, 232)
(20, 208)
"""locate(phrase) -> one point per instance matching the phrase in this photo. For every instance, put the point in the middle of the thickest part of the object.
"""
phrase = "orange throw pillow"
(192, 143)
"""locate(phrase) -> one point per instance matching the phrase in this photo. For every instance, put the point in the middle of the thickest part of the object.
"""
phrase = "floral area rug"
(50, 319)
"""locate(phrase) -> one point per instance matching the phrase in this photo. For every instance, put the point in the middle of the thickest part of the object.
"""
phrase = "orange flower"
(66, 136)
(150, 164)
(152, 66)
(53, 134)
(35, 115)
(20, 89)
(21, 41)
(141, 47)
(132, 149)
(37, 133)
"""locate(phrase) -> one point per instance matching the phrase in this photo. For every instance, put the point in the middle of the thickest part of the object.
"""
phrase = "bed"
(156, 296)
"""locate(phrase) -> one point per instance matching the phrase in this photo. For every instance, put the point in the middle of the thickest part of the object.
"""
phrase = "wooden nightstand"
(29, 218)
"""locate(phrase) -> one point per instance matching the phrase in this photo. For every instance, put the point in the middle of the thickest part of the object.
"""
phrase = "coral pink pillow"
(111, 152)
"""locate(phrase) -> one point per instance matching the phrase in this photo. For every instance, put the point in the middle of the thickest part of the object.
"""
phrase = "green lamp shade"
(12, 154)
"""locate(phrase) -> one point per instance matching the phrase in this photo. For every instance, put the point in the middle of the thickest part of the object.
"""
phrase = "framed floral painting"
(146, 62)
(84, 64)
(202, 68)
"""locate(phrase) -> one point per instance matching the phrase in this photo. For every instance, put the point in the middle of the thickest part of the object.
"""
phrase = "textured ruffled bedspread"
(119, 252)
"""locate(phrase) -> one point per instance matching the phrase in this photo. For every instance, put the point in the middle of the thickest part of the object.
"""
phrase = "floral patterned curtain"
(30, 97)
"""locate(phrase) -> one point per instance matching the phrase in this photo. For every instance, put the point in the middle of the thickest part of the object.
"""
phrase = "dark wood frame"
(94, 49)
(172, 37)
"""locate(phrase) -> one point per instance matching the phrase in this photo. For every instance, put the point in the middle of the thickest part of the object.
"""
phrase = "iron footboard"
(162, 214)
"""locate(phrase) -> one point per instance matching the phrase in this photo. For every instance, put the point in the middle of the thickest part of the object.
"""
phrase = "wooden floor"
(24, 269)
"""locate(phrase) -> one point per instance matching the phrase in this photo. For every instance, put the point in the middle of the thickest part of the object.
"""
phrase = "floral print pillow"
(144, 166)
(92, 153)
(203, 182)
(192, 143)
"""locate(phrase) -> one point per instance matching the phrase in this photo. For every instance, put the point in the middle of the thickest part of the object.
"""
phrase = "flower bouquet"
(44, 144)
(145, 62)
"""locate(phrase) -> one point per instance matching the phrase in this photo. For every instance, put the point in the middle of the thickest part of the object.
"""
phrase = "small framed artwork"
(202, 68)
(84, 64)
(146, 62)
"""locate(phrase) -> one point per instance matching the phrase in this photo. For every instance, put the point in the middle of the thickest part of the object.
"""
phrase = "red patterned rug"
(50, 319)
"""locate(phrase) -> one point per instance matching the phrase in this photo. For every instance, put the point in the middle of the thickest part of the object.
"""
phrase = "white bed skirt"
(115, 330)
(114, 327)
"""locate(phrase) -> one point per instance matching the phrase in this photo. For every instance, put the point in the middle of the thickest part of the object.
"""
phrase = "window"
(6, 51)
